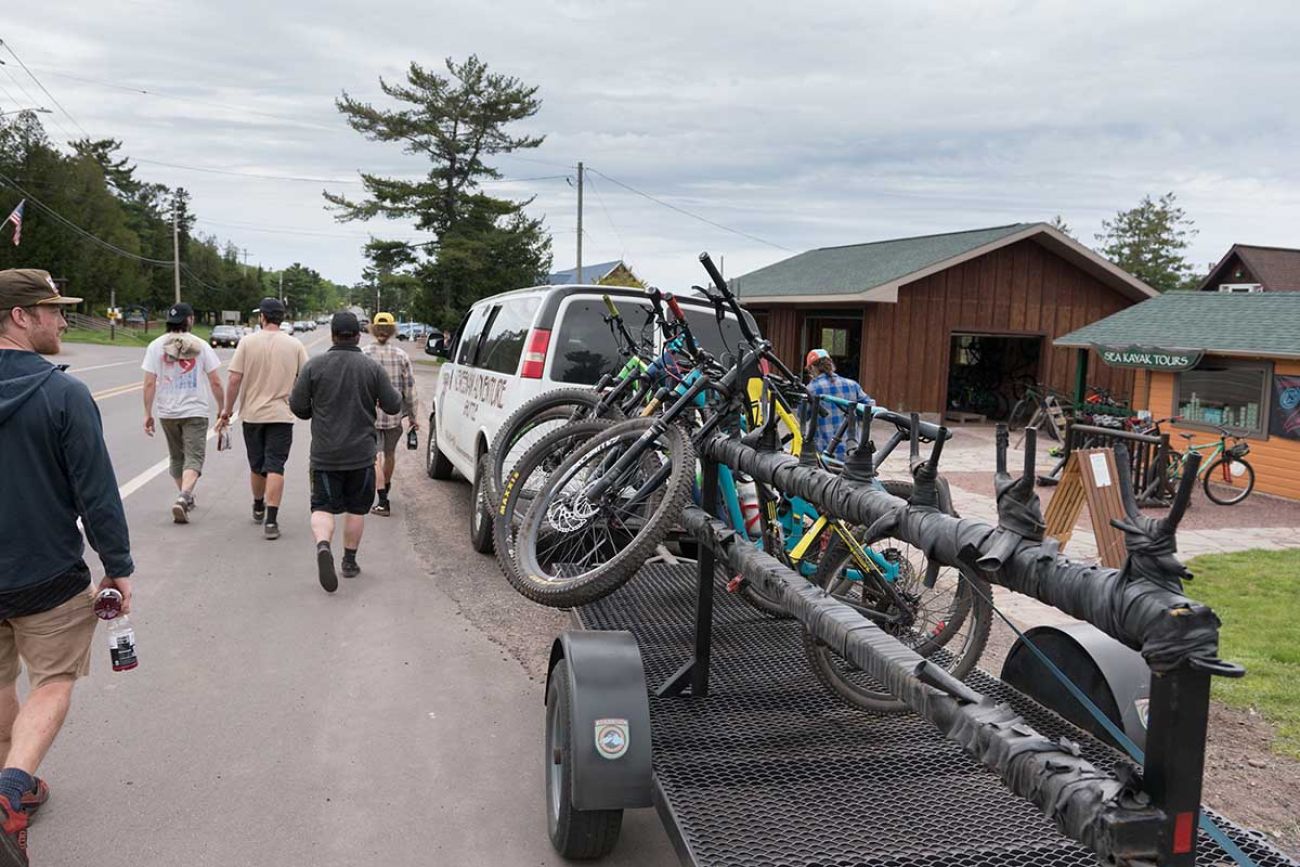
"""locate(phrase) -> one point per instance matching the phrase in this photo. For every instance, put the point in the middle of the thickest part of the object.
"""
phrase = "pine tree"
(1148, 242)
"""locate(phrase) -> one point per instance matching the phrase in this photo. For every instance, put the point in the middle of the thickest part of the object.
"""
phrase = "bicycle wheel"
(528, 475)
(1222, 476)
(527, 424)
(574, 547)
(951, 626)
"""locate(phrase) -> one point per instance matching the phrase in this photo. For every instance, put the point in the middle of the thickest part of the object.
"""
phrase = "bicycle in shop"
(600, 514)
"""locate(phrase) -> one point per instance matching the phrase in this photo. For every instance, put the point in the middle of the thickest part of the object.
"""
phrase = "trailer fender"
(1116, 679)
(610, 716)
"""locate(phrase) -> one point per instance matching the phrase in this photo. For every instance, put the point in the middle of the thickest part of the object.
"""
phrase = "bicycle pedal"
(735, 584)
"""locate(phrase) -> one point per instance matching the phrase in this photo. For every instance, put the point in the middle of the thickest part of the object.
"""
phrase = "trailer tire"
(580, 835)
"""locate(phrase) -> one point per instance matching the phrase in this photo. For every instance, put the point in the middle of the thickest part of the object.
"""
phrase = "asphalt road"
(397, 722)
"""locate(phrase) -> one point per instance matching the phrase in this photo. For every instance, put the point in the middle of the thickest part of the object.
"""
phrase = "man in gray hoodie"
(338, 391)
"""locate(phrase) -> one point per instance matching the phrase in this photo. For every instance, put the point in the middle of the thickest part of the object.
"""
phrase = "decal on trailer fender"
(611, 737)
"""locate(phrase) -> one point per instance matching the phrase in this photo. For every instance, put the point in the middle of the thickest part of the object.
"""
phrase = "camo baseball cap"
(27, 287)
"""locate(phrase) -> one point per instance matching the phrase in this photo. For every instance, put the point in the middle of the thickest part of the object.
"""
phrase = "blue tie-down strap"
(1206, 824)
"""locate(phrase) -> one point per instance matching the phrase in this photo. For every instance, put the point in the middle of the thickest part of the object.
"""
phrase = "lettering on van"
(480, 387)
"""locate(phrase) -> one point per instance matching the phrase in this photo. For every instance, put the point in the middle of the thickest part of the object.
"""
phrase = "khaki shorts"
(54, 644)
(389, 437)
(187, 443)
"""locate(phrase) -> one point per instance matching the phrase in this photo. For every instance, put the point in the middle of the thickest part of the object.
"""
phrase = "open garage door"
(987, 373)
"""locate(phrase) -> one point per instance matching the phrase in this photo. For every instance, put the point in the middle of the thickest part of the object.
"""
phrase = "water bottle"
(412, 440)
(747, 494)
(121, 637)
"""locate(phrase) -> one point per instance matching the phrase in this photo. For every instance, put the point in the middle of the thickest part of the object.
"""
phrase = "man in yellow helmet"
(397, 364)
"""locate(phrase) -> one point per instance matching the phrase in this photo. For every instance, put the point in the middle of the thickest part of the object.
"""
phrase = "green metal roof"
(1261, 323)
(859, 267)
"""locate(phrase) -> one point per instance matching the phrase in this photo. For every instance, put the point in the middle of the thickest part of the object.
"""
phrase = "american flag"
(17, 219)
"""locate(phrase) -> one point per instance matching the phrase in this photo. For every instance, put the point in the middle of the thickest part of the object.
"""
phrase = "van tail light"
(539, 339)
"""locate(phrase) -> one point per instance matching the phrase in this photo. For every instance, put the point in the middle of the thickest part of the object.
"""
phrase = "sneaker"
(13, 840)
(181, 510)
(351, 569)
(381, 508)
(325, 569)
(33, 799)
(271, 530)
(259, 515)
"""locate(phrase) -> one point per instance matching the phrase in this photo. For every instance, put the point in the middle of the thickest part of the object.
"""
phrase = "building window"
(1235, 288)
(1219, 392)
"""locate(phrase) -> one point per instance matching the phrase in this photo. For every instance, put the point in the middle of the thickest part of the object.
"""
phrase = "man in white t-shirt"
(175, 367)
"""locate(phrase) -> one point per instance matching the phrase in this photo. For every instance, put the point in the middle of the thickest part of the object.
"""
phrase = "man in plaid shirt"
(824, 381)
(397, 364)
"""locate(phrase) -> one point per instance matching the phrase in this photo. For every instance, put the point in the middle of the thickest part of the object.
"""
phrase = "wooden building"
(1214, 359)
(960, 321)
(1250, 268)
(615, 273)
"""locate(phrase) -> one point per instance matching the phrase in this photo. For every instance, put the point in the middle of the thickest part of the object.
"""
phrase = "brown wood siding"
(1276, 459)
(1020, 289)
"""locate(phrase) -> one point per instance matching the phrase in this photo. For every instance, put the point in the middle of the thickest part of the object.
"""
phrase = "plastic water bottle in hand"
(121, 636)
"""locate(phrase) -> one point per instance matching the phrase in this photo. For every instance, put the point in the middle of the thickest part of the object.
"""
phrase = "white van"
(511, 347)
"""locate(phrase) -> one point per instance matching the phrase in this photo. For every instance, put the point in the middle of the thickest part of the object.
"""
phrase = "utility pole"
(578, 279)
(176, 247)
(281, 287)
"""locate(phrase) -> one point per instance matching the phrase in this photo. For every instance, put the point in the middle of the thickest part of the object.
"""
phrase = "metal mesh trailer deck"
(771, 770)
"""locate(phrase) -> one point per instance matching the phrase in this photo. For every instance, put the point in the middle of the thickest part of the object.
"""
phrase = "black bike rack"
(744, 777)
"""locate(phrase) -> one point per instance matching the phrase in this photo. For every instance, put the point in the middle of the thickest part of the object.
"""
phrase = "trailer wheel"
(575, 834)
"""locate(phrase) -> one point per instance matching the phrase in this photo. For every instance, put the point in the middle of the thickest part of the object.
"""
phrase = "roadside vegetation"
(1256, 594)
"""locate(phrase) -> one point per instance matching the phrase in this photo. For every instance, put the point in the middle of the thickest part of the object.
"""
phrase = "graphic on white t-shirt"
(181, 362)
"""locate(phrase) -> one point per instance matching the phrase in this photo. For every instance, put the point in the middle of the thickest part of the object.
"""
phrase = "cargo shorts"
(187, 443)
(55, 644)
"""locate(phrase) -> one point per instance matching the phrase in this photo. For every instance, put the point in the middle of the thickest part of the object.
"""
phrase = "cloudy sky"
(799, 125)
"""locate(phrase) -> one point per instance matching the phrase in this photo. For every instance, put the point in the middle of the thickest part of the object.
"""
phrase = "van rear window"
(506, 335)
(585, 349)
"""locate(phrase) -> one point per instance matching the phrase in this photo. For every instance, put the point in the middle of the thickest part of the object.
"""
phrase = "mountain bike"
(614, 396)
(1226, 476)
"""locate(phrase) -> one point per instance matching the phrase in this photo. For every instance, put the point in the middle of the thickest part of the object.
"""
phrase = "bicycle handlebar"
(609, 305)
(716, 276)
(925, 430)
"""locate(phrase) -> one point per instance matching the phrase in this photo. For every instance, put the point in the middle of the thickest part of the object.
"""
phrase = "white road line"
(147, 476)
(76, 370)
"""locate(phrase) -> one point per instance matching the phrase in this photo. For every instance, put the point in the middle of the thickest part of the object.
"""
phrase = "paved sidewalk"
(968, 461)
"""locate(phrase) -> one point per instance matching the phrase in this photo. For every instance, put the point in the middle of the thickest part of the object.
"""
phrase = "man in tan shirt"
(264, 369)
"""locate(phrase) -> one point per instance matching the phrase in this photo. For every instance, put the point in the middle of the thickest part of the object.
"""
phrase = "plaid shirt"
(397, 364)
(836, 386)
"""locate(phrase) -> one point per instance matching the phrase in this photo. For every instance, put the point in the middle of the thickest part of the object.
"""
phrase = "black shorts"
(339, 491)
(268, 445)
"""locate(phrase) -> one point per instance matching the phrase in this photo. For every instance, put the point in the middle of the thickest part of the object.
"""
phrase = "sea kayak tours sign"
(1149, 358)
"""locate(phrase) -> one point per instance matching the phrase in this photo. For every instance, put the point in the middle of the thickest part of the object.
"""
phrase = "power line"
(315, 180)
(33, 100)
(43, 88)
(196, 100)
(617, 233)
(80, 231)
(283, 230)
(693, 216)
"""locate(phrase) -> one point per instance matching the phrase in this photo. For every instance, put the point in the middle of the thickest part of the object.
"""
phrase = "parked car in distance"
(323, 320)
(287, 327)
(225, 335)
(413, 331)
